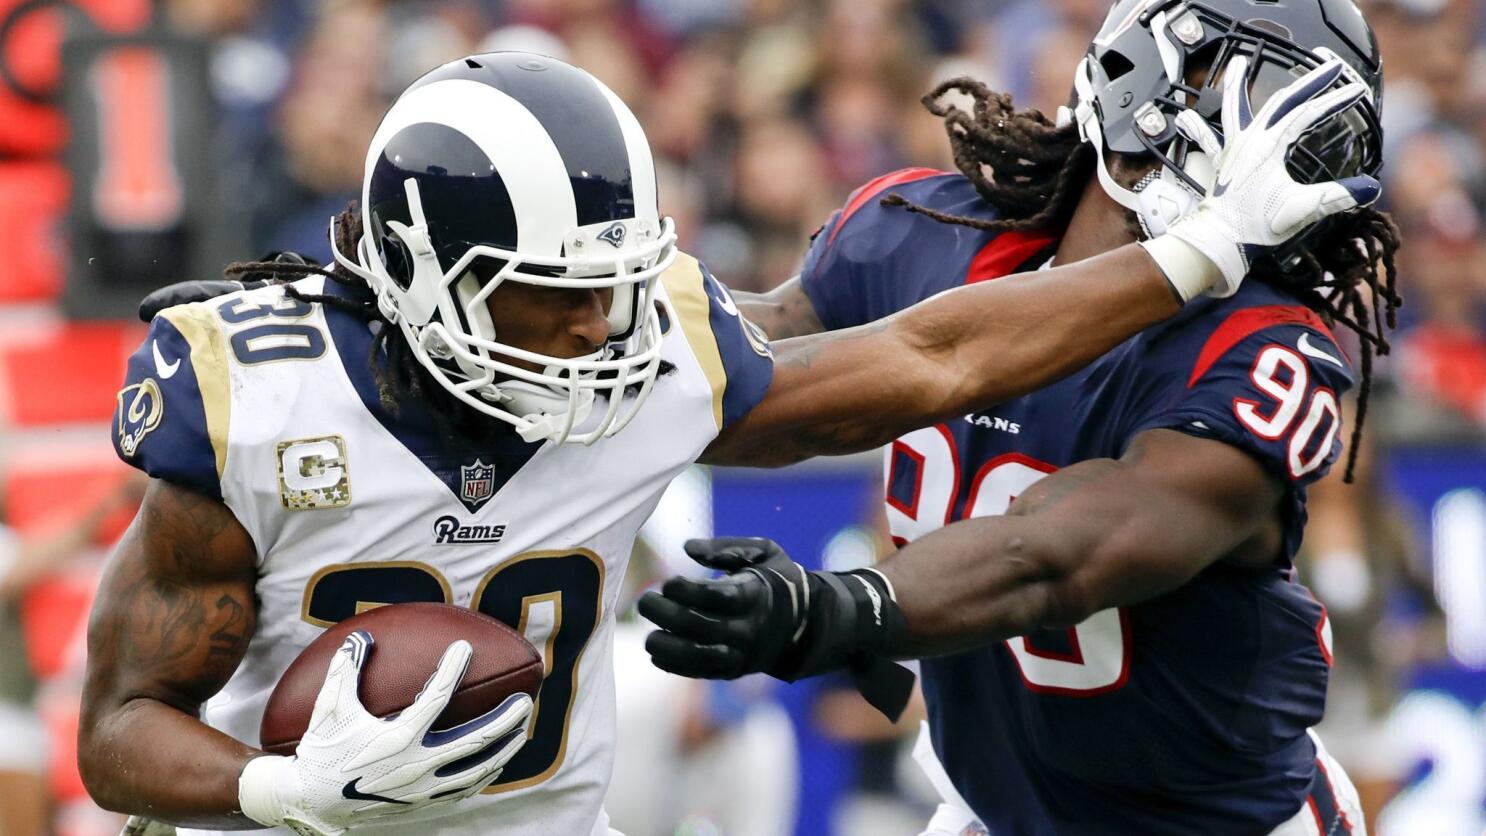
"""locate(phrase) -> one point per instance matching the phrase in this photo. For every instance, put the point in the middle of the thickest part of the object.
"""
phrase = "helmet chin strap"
(1159, 199)
(545, 408)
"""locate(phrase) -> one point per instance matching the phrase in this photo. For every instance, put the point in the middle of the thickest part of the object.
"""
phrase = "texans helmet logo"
(613, 235)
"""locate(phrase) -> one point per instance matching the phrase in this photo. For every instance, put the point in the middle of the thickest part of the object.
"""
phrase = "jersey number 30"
(1092, 658)
(553, 598)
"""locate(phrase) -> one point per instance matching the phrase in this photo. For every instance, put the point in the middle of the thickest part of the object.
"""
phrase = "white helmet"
(533, 171)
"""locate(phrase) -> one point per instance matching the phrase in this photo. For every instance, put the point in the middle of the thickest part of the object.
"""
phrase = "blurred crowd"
(765, 114)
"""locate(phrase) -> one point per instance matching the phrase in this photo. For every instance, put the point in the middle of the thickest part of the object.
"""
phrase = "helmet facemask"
(1129, 106)
(445, 318)
(1167, 192)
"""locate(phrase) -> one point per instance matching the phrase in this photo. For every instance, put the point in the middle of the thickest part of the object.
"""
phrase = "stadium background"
(143, 143)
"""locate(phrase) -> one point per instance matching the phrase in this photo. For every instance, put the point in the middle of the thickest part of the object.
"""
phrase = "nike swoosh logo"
(1311, 351)
(162, 368)
(350, 791)
(725, 302)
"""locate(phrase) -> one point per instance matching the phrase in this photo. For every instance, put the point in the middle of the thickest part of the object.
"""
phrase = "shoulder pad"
(172, 414)
(1268, 379)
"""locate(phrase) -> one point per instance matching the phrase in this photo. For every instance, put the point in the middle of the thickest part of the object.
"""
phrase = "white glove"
(1255, 204)
(351, 767)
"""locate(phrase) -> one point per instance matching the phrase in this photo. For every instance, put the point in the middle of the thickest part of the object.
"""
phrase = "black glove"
(184, 293)
(770, 615)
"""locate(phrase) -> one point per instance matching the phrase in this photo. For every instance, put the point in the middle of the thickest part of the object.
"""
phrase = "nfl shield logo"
(476, 482)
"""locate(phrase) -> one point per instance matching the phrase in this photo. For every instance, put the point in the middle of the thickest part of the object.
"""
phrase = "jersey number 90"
(553, 598)
(1092, 658)
(1281, 374)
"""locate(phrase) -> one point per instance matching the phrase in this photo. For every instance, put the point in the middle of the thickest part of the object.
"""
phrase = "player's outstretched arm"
(170, 624)
(858, 388)
(1098, 534)
(1095, 535)
(974, 346)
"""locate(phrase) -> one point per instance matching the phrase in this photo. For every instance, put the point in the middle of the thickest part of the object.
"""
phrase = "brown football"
(409, 640)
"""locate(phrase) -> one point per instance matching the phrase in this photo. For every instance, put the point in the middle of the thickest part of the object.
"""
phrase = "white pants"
(953, 816)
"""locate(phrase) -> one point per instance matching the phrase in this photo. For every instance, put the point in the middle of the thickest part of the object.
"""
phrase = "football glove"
(184, 293)
(1255, 205)
(769, 615)
(351, 767)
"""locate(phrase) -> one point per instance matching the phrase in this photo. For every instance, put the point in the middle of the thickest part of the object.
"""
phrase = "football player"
(1098, 575)
(438, 418)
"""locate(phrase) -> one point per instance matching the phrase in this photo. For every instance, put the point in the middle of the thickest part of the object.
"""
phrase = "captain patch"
(313, 474)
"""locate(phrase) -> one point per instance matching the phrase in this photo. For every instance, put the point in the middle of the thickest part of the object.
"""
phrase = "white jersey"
(270, 404)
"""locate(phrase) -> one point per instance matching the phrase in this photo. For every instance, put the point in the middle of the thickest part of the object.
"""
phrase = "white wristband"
(258, 789)
(1190, 272)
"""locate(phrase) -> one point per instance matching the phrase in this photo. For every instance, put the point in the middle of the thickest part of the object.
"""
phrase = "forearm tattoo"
(785, 313)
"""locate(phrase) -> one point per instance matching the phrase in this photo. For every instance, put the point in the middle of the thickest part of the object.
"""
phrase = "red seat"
(47, 485)
(65, 374)
(61, 711)
(33, 199)
(54, 616)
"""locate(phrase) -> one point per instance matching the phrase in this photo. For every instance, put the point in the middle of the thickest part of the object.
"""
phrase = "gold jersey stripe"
(198, 324)
(683, 284)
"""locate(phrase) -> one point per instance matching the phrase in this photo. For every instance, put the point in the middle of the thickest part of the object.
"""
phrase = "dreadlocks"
(1034, 172)
(1037, 170)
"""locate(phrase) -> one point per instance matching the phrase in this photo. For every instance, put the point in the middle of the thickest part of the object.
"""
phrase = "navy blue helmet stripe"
(576, 115)
(457, 184)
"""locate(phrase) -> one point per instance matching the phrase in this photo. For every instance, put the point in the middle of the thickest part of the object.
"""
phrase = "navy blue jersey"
(1183, 714)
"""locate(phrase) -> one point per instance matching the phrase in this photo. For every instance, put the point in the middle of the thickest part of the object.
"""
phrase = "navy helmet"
(516, 167)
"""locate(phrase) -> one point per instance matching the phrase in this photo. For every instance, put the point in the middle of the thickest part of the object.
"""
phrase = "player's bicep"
(176, 608)
(1098, 534)
(1120, 532)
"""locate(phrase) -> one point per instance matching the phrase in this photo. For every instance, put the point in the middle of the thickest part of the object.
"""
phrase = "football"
(408, 639)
